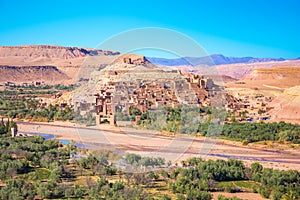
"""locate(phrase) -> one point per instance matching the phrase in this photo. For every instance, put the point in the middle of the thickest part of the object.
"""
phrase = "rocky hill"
(29, 74)
(62, 64)
(286, 106)
(277, 77)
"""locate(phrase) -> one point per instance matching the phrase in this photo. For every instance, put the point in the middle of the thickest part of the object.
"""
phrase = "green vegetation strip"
(33, 168)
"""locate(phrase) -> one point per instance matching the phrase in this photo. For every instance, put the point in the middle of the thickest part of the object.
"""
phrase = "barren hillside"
(286, 106)
(28, 74)
(281, 83)
(241, 69)
(66, 62)
(281, 77)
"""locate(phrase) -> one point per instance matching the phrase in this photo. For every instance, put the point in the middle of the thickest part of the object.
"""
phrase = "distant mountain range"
(215, 59)
(57, 64)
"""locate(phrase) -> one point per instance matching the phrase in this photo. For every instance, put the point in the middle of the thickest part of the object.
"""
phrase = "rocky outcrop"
(133, 59)
(28, 74)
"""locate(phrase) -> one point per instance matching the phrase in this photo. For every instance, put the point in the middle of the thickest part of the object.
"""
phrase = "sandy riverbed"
(151, 143)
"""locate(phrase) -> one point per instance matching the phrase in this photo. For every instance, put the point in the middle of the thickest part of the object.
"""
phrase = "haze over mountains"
(215, 59)
(40, 53)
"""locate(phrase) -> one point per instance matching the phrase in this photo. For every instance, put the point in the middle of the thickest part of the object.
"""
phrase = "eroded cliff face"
(66, 63)
(29, 74)
(48, 51)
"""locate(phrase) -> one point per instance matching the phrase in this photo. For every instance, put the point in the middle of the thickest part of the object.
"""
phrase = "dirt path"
(273, 87)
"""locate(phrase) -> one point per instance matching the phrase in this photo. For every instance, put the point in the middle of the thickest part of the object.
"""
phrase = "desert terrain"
(47, 88)
(279, 83)
(277, 80)
(271, 85)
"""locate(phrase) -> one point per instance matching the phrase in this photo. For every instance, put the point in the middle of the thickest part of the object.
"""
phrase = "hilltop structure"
(132, 83)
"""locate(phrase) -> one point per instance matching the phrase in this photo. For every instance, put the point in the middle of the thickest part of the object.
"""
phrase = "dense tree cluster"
(5, 127)
(22, 102)
(253, 132)
(222, 197)
(32, 167)
(198, 176)
(137, 160)
(21, 156)
(192, 120)
(275, 183)
(29, 109)
(39, 89)
(181, 120)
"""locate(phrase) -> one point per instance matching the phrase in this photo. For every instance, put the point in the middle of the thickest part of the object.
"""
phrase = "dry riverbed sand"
(174, 148)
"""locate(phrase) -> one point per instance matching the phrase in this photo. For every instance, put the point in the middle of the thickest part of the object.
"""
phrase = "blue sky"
(259, 28)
